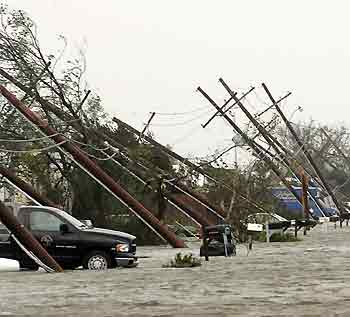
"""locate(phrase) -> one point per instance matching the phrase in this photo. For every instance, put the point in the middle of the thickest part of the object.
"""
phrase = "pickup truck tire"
(97, 260)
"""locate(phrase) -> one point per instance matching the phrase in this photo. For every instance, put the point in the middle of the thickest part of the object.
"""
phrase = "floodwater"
(307, 278)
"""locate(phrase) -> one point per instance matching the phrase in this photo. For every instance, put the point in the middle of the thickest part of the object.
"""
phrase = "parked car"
(218, 240)
(69, 241)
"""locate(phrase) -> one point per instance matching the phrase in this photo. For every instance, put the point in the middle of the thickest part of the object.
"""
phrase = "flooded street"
(309, 278)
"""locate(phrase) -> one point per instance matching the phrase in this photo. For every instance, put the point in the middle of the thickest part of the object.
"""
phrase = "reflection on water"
(303, 278)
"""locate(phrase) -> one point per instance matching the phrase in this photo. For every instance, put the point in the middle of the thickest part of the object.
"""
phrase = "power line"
(218, 156)
(200, 166)
(29, 140)
(89, 145)
(180, 113)
(210, 156)
(34, 150)
(61, 123)
(260, 100)
(108, 157)
(181, 123)
(185, 136)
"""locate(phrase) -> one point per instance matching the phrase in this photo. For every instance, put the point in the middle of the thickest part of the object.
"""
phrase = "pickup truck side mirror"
(86, 222)
(64, 228)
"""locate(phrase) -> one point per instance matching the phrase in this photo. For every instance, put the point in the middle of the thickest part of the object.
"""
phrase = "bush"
(278, 237)
(187, 260)
(144, 235)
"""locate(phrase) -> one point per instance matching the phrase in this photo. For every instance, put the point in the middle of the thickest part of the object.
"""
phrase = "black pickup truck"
(69, 241)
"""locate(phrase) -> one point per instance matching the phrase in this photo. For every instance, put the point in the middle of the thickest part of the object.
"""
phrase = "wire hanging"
(29, 140)
(181, 123)
(34, 150)
(180, 113)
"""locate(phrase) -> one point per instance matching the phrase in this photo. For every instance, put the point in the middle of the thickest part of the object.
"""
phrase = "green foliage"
(152, 156)
(277, 237)
(253, 182)
(131, 224)
(183, 261)
(63, 85)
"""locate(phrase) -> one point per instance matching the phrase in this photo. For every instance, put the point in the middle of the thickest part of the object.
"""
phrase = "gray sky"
(147, 56)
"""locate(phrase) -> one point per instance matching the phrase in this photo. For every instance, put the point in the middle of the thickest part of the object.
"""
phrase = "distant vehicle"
(220, 241)
(69, 241)
(277, 224)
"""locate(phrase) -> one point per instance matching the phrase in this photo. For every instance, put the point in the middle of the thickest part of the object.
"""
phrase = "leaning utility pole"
(176, 186)
(267, 136)
(173, 197)
(44, 103)
(146, 126)
(228, 108)
(257, 125)
(72, 121)
(95, 171)
(251, 144)
(25, 188)
(188, 163)
(194, 215)
(78, 127)
(305, 185)
(26, 238)
(305, 151)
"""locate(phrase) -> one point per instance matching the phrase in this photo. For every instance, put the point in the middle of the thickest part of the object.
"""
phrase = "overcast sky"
(147, 56)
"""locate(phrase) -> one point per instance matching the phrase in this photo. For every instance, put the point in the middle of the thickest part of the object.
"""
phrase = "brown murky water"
(309, 278)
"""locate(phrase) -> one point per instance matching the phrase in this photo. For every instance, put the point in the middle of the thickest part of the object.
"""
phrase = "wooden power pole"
(96, 172)
(26, 238)
(305, 151)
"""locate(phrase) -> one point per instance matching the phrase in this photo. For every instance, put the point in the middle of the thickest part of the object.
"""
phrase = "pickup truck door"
(45, 226)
